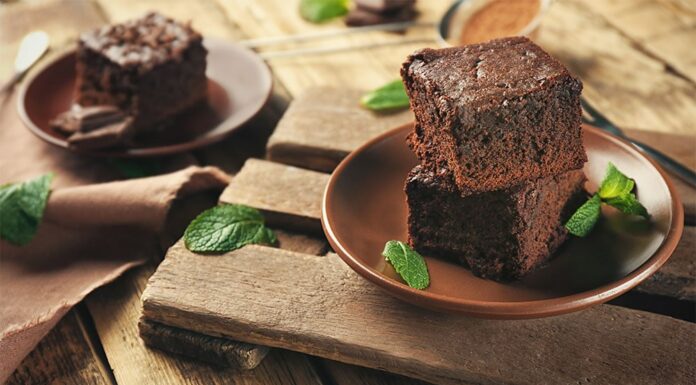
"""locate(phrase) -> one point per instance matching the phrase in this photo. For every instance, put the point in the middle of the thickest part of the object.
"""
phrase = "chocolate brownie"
(496, 113)
(151, 68)
(502, 234)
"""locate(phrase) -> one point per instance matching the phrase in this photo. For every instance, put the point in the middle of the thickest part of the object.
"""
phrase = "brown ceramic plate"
(364, 207)
(239, 84)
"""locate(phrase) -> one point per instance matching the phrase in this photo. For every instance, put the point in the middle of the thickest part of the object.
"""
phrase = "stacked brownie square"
(498, 136)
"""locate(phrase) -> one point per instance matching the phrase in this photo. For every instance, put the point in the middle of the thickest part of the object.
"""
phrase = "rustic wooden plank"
(275, 303)
(222, 352)
(65, 356)
(62, 20)
(659, 27)
(116, 309)
(629, 86)
(677, 278)
(289, 197)
(324, 124)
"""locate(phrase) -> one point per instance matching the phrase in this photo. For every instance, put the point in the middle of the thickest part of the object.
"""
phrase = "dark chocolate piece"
(361, 17)
(109, 135)
(382, 6)
(502, 234)
(86, 119)
(496, 113)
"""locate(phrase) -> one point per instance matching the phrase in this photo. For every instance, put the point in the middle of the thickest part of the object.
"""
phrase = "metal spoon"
(33, 46)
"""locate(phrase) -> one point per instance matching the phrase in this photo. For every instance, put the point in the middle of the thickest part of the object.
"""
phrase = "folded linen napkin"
(93, 230)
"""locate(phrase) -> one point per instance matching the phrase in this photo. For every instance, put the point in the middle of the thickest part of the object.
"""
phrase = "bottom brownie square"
(502, 234)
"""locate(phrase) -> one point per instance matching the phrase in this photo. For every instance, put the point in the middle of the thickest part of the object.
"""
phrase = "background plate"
(239, 84)
(364, 206)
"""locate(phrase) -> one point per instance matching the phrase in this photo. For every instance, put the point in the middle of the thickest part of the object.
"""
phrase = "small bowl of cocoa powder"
(476, 21)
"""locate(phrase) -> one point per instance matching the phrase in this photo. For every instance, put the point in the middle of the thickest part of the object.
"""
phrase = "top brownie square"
(151, 68)
(496, 113)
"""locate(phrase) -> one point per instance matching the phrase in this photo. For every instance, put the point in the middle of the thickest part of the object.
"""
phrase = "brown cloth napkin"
(91, 232)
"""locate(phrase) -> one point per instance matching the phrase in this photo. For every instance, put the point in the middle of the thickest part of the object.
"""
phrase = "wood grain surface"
(67, 355)
(355, 322)
(289, 197)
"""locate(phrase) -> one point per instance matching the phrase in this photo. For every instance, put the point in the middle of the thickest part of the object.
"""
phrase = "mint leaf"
(21, 208)
(408, 263)
(615, 183)
(628, 204)
(318, 11)
(585, 218)
(225, 228)
(390, 96)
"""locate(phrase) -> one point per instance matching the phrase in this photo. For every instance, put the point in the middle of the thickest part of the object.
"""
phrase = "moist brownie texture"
(502, 234)
(496, 113)
(152, 68)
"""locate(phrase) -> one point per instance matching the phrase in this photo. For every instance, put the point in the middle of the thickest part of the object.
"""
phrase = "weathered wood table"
(635, 57)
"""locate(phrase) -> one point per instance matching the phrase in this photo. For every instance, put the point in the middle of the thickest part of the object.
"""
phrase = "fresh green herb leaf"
(136, 168)
(615, 183)
(628, 204)
(318, 11)
(225, 228)
(408, 263)
(391, 96)
(21, 208)
(585, 218)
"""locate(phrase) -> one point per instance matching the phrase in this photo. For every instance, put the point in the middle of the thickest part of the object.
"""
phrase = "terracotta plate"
(239, 84)
(364, 206)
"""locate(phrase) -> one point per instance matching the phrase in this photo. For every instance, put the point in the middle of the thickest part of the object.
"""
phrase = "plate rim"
(171, 149)
(520, 309)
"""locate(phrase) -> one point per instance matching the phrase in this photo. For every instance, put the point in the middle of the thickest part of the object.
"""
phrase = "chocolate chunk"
(382, 6)
(86, 119)
(109, 135)
(362, 17)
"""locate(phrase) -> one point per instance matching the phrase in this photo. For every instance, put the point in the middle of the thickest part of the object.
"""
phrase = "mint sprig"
(21, 208)
(408, 264)
(318, 11)
(616, 190)
(585, 218)
(227, 227)
(391, 96)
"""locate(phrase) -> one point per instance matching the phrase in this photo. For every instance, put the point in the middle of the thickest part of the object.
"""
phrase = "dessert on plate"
(133, 77)
(498, 135)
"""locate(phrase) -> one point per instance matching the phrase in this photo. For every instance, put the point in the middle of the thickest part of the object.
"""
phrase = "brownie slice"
(502, 234)
(496, 113)
(151, 68)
